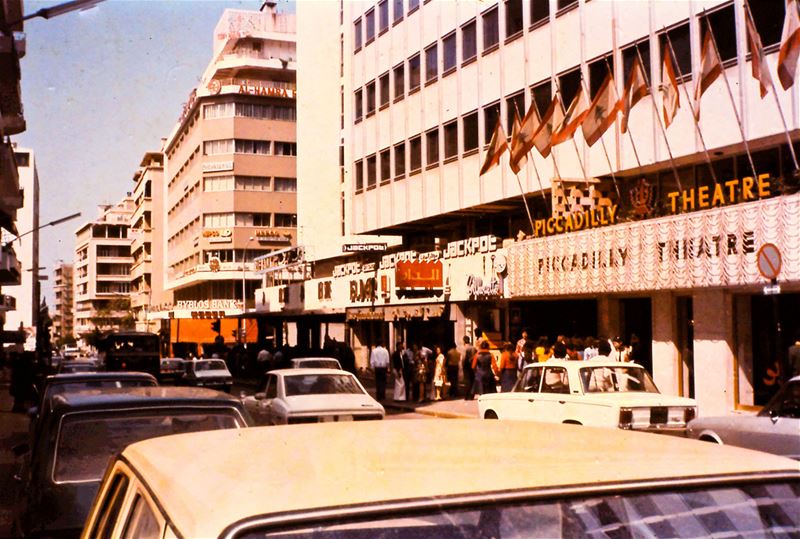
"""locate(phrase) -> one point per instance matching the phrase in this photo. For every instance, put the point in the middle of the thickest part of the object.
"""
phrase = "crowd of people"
(420, 373)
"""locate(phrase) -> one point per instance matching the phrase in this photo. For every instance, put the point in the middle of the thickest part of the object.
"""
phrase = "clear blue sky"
(100, 88)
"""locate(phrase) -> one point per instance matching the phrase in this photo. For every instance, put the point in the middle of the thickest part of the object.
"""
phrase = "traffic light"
(215, 326)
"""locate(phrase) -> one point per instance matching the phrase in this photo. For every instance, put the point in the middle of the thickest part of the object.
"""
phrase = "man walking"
(466, 365)
(379, 361)
(453, 359)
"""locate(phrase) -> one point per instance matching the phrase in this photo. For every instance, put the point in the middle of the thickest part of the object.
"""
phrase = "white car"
(598, 393)
(316, 363)
(311, 396)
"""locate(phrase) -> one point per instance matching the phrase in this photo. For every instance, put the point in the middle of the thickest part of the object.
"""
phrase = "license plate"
(335, 418)
(658, 416)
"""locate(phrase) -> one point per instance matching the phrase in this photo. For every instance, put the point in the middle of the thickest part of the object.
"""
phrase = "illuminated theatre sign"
(709, 248)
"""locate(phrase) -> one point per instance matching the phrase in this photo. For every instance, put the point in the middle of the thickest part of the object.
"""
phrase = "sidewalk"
(13, 430)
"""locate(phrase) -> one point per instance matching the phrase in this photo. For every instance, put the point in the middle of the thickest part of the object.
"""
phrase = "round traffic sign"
(769, 261)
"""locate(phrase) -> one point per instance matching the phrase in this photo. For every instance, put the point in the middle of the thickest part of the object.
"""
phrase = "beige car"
(442, 479)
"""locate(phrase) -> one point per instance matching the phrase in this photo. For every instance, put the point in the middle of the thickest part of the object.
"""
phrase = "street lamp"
(51, 223)
(60, 9)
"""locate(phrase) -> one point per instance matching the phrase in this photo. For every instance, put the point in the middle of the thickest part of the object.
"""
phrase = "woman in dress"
(439, 373)
(485, 367)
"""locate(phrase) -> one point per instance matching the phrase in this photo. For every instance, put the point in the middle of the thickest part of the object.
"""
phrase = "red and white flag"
(553, 116)
(522, 142)
(516, 161)
(758, 65)
(497, 146)
(602, 113)
(572, 119)
(635, 89)
(670, 97)
(790, 45)
(710, 69)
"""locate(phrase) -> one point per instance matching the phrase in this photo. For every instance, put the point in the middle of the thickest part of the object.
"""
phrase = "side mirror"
(260, 396)
(21, 449)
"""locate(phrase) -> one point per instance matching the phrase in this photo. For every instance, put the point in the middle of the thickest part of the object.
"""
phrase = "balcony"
(10, 267)
(8, 303)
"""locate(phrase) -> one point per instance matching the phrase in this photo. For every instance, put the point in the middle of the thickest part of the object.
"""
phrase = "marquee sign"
(715, 247)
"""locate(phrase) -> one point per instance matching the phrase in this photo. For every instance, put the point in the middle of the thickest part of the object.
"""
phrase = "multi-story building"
(654, 233)
(62, 330)
(229, 175)
(102, 270)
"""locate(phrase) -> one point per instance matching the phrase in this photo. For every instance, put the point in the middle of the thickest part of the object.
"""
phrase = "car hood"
(333, 403)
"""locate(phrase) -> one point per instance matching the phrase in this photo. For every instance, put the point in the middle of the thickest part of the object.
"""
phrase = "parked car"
(172, 370)
(775, 429)
(211, 373)
(316, 363)
(599, 393)
(78, 365)
(85, 429)
(505, 479)
(311, 396)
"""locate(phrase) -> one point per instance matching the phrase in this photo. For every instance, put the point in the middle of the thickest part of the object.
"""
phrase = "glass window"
(681, 45)
(514, 104)
(286, 220)
(530, 381)
(540, 10)
(555, 380)
(723, 26)
(490, 115)
(513, 17)
(142, 522)
(371, 172)
(415, 154)
(768, 16)
(432, 147)
(629, 55)
(399, 160)
(386, 166)
(469, 41)
(370, 98)
(359, 168)
(285, 185)
(252, 183)
(370, 25)
(412, 5)
(569, 83)
(286, 148)
(398, 10)
(491, 32)
(216, 147)
(451, 139)
(359, 105)
(110, 506)
(542, 96)
(598, 70)
(357, 34)
(470, 128)
(413, 73)
(449, 52)
(563, 4)
(431, 62)
(399, 81)
(217, 220)
(218, 183)
(384, 89)
(261, 219)
(383, 13)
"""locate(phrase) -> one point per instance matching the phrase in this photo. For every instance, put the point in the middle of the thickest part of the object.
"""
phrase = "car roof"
(314, 358)
(71, 377)
(406, 460)
(588, 363)
(307, 370)
(115, 398)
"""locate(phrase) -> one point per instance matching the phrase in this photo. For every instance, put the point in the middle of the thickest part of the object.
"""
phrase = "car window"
(319, 364)
(142, 523)
(616, 379)
(320, 384)
(58, 389)
(530, 381)
(555, 380)
(109, 507)
(209, 366)
(786, 403)
(272, 387)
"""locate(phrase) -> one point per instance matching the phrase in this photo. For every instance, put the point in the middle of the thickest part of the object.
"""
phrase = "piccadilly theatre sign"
(715, 247)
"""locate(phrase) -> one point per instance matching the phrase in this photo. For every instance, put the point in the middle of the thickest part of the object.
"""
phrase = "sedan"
(775, 429)
(316, 363)
(172, 370)
(212, 373)
(311, 396)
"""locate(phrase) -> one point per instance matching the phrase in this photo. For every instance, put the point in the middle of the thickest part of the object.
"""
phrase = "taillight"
(689, 414)
(625, 418)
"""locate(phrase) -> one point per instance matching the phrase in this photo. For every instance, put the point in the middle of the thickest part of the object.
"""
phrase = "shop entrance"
(571, 318)
(426, 332)
(776, 326)
(637, 329)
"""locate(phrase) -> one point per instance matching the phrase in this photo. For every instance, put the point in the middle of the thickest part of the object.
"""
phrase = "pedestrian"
(452, 360)
(521, 342)
(793, 356)
(508, 368)
(619, 351)
(590, 349)
(572, 350)
(527, 356)
(399, 393)
(379, 361)
(421, 376)
(485, 368)
(542, 349)
(439, 374)
(466, 367)
(409, 369)
(559, 351)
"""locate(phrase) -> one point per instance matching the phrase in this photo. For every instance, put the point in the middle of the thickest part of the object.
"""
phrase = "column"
(666, 368)
(713, 351)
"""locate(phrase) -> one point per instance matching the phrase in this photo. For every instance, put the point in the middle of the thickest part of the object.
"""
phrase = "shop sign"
(415, 275)
(213, 304)
(363, 290)
(217, 233)
(324, 290)
(250, 87)
(477, 289)
(573, 222)
(364, 247)
(710, 248)
(218, 166)
(720, 194)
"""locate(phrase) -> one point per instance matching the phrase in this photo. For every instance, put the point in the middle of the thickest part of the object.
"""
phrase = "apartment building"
(230, 175)
(102, 270)
(62, 330)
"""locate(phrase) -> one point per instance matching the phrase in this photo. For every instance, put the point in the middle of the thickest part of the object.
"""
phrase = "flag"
(516, 161)
(758, 64)
(522, 143)
(552, 118)
(572, 120)
(497, 146)
(635, 89)
(603, 111)
(710, 69)
(790, 45)
(670, 97)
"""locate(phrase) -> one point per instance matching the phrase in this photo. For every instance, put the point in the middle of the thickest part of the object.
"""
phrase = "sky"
(100, 88)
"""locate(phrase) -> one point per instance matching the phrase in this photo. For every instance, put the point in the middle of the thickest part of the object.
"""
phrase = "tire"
(490, 415)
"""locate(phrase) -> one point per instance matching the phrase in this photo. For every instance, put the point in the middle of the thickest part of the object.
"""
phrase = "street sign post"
(769, 261)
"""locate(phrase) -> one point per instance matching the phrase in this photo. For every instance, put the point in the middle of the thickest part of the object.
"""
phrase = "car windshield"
(320, 384)
(209, 366)
(86, 442)
(616, 380)
(69, 387)
(752, 510)
(318, 364)
(67, 368)
(172, 364)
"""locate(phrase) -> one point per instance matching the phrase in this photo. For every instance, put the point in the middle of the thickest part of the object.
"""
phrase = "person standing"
(591, 348)
(485, 368)
(620, 351)
(379, 362)
(399, 393)
(794, 356)
(439, 374)
(421, 376)
(409, 369)
(466, 365)
(508, 368)
(521, 343)
(542, 349)
(452, 360)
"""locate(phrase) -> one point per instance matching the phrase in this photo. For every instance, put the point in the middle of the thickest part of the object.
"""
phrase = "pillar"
(666, 359)
(713, 351)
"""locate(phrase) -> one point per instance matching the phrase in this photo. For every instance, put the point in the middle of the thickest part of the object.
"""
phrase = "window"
(286, 148)
(542, 96)
(357, 34)
(413, 73)
(412, 5)
(216, 147)
(491, 33)
(768, 16)
(286, 220)
(399, 82)
(217, 220)
(569, 83)
(540, 10)
(432, 147)
(251, 183)
(431, 62)
(219, 110)
(566, 4)
(218, 183)
(370, 98)
(491, 114)
(451, 139)
(723, 26)
(629, 55)
(22, 159)
(142, 521)
(371, 172)
(513, 17)
(359, 105)
(469, 41)
(110, 506)
(386, 166)
(398, 10)
(285, 185)
(555, 380)
(399, 160)
(370, 24)
(598, 70)
(514, 104)
(415, 153)
(681, 45)
(384, 89)
(261, 219)
(358, 166)
(383, 16)
(469, 125)
(449, 52)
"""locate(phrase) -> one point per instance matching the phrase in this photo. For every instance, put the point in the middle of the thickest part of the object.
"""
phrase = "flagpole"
(516, 165)
(524, 201)
(658, 117)
(630, 135)
(538, 178)
(749, 15)
(691, 106)
(574, 144)
(730, 94)
(603, 143)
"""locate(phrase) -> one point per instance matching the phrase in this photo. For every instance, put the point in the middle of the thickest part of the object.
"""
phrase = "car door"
(262, 411)
(522, 402)
(776, 429)
(554, 396)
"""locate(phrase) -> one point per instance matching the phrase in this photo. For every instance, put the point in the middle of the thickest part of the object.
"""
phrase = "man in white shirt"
(379, 362)
(620, 351)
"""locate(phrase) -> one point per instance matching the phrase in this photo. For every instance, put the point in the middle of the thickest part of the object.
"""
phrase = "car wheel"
(490, 415)
(708, 438)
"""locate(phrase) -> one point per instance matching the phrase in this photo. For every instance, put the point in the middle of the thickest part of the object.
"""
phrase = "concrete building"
(642, 234)
(229, 176)
(102, 270)
(62, 313)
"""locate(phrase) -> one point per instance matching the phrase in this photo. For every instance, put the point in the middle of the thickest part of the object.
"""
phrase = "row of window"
(255, 147)
(230, 219)
(249, 183)
(250, 110)
(191, 229)
(235, 255)
(383, 20)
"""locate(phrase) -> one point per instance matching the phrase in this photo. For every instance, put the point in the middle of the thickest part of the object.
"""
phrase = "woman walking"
(439, 373)
(485, 367)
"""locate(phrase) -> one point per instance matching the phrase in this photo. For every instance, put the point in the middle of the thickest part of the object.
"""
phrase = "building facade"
(102, 271)
(62, 331)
